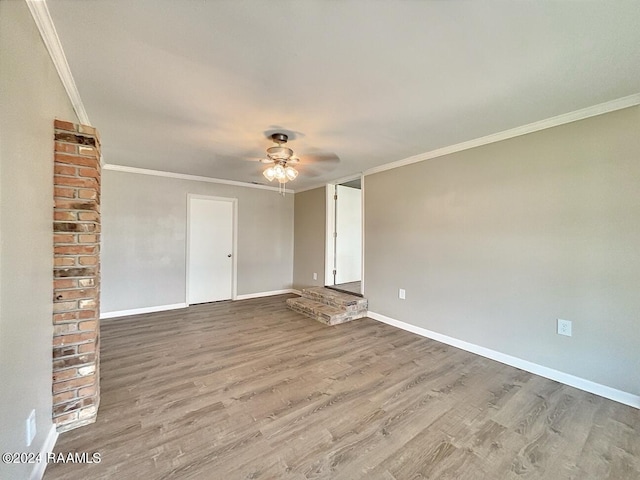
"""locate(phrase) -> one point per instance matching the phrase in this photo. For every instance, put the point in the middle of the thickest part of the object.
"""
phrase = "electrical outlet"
(31, 428)
(564, 327)
(315, 276)
(402, 294)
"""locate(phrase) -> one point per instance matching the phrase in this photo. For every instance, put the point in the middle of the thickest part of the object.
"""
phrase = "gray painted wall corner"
(309, 238)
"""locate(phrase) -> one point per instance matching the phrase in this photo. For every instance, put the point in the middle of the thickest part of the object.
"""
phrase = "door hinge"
(335, 273)
(335, 197)
(335, 234)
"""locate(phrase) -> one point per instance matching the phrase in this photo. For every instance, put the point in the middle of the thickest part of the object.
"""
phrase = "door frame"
(329, 249)
(234, 242)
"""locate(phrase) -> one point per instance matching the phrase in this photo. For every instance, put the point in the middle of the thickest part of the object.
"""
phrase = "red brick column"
(76, 274)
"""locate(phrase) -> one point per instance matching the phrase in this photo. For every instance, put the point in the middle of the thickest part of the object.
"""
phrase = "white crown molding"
(42, 18)
(314, 186)
(546, 372)
(600, 109)
(185, 176)
(337, 181)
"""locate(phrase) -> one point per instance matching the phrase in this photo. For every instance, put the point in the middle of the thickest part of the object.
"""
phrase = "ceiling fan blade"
(322, 157)
(251, 156)
(308, 171)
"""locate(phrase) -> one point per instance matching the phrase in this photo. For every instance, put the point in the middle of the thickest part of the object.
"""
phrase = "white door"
(210, 262)
(348, 239)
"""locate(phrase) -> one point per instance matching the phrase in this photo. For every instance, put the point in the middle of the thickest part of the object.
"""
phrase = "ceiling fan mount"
(279, 154)
(279, 138)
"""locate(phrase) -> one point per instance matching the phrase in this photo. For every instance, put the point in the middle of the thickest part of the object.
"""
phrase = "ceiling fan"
(282, 161)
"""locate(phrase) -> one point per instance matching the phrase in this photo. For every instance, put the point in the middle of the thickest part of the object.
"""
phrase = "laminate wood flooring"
(252, 390)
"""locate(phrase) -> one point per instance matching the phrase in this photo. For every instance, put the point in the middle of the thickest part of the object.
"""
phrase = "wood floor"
(252, 390)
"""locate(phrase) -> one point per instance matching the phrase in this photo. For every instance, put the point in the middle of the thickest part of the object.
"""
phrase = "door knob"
(229, 256)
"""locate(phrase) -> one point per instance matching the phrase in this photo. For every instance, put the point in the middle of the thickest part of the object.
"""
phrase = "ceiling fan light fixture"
(269, 174)
(291, 173)
(279, 171)
(280, 157)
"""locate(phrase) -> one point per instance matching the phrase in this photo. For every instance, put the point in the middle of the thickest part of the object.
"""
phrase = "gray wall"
(495, 243)
(31, 96)
(144, 221)
(309, 235)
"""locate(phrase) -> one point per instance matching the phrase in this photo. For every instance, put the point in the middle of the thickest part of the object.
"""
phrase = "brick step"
(351, 303)
(327, 314)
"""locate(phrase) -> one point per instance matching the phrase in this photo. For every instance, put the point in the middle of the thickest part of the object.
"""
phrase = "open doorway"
(344, 242)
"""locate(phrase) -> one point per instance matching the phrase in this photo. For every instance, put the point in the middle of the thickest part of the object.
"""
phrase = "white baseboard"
(138, 311)
(175, 306)
(38, 469)
(565, 378)
(264, 294)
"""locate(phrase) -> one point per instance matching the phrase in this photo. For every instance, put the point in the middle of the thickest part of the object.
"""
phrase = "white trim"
(177, 306)
(186, 176)
(595, 110)
(337, 181)
(234, 260)
(49, 443)
(562, 377)
(329, 258)
(42, 17)
(138, 311)
(600, 109)
(247, 296)
(313, 187)
(234, 240)
(306, 189)
(362, 193)
(330, 222)
(607, 107)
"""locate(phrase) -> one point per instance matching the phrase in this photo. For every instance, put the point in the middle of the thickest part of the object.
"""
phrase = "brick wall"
(76, 275)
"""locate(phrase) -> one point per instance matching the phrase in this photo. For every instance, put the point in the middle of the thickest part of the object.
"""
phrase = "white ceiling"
(194, 86)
